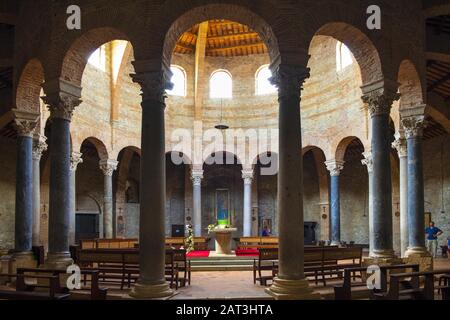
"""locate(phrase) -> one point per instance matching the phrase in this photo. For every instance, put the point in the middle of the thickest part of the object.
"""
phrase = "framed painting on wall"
(427, 219)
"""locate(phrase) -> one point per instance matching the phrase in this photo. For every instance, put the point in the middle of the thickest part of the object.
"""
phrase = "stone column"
(108, 167)
(196, 177)
(413, 124)
(335, 167)
(367, 161)
(25, 123)
(152, 282)
(247, 176)
(61, 98)
(75, 160)
(291, 282)
(39, 147)
(400, 145)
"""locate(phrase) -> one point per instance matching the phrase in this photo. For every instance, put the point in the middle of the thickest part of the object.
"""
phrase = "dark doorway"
(87, 226)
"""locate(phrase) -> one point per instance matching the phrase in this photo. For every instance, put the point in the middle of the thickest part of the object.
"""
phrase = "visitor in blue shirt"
(432, 234)
(266, 232)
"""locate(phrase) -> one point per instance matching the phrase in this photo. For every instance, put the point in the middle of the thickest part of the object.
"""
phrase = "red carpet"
(198, 254)
(247, 252)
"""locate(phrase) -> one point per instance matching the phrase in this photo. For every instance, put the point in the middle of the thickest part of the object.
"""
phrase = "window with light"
(263, 85)
(221, 85)
(179, 82)
(98, 58)
(344, 57)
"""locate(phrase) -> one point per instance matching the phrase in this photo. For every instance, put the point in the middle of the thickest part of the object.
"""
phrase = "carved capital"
(25, 122)
(380, 101)
(108, 167)
(247, 175)
(196, 177)
(414, 126)
(39, 146)
(75, 160)
(61, 105)
(368, 161)
(335, 167)
(289, 80)
(153, 85)
(400, 145)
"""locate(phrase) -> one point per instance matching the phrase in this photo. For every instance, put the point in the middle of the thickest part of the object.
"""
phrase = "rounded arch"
(179, 158)
(262, 83)
(74, 62)
(359, 44)
(411, 89)
(29, 87)
(99, 146)
(222, 158)
(184, 17)
(180, 83)
(221, 84)
(268, 162)
(344, 145)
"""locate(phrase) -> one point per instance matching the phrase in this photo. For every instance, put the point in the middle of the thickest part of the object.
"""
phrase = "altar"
(223, 240)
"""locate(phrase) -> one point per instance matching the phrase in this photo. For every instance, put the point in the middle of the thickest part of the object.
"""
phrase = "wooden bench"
(344, 291)
(401, 289)
(23, 291)
(246, 243)
(108, 243)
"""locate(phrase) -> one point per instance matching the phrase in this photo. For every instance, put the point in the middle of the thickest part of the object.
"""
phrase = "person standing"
(432, 234)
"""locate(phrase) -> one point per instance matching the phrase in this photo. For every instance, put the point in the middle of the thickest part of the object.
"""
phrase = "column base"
(282, 289)
(58, 261)
(420, 256)
(23, 260)
(151, 291)
(382, 257)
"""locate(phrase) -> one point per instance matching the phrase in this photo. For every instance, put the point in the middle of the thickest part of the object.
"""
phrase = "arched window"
(344, 57)
(221, 85)
(98, 58)
(179, 82)
(263, 85)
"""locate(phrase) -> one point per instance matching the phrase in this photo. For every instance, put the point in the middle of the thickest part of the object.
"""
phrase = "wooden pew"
(397, 290)
(344, 291)
(23, 292)
(201, 243)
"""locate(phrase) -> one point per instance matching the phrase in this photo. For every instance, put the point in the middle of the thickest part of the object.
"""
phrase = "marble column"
(413, 123)
(108, 167)
(290, 282)
(39, 147)
(367, 161)
(152, 282)
(61, 98)
(379, 97)
(75, 159)
(335, 167)
(247, 176)
(400, 145)
(196, 177)
(25, 123)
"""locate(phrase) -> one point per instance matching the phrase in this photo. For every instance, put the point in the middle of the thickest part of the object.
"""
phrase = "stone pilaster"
(335, 167)
(400, 145)
(76, 158)
(197, 177)
(379, 98)
(39, 147)
(108, 167)
(152, 282)
(290, 282)
(247, 176)
(25, 124)
(61, 98)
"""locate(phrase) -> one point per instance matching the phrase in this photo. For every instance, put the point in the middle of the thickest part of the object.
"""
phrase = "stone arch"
(180, 156)
(184, 16)
(99, 146)
(343, 145)
(29, 87)
(411, 89)
(226, 157)
(72, 66)
(363, 49)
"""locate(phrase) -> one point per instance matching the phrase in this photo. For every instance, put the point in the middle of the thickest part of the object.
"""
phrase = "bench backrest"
(334, 254)
(268, 254)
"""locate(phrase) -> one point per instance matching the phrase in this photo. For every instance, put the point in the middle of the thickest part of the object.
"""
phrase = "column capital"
(153, 84)
(61, 98)
(247, 175)
(289, 80)
(39, 146)
(108, 166)
(75, 160)
(379, 96)
(335, 167)
(400, 144)
(368, 161)
(25, 122)
(196, 177)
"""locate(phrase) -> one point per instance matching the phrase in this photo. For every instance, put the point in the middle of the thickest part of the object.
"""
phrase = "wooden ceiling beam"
(228, 36)
(439, 82)
(243, 46)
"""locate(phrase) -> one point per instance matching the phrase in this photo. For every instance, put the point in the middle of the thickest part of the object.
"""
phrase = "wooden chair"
(171, 269)
(267, 261)
(184, 265)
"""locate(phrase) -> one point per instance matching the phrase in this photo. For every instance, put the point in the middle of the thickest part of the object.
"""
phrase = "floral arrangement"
(211, 227)
(189, 241)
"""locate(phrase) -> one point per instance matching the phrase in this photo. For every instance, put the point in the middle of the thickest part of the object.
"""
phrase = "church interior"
(256, 150)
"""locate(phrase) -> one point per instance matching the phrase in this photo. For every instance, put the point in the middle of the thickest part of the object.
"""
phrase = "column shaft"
(247, 210)
(39, 147)
(197, 176)
(108, 207)
(335, 210)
